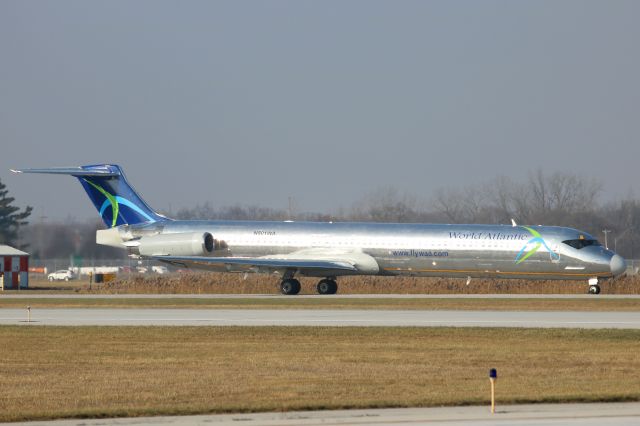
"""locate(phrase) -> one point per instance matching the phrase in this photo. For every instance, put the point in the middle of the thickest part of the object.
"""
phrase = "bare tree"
(236, 212)
(449, 203)
(386, 205)
(561, 196)
(539, 191)
(66, 238)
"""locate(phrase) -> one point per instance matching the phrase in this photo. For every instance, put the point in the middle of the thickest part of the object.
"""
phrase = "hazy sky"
(251, 102)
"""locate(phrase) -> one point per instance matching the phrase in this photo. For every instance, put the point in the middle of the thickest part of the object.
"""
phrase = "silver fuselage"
(533, 252)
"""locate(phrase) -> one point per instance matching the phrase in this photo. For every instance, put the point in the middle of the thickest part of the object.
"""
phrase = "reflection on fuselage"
(424, 249)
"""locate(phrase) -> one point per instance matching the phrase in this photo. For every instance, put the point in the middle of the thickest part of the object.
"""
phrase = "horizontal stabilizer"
(73, 171)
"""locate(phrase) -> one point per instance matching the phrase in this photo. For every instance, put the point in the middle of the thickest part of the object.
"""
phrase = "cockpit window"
(578, 244)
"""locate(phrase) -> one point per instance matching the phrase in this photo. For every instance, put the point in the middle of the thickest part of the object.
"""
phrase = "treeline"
(250, 212)
(560, 199)
(61, 240)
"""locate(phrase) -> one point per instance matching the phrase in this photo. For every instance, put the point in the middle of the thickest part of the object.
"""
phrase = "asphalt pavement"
(615, 414)
(319, 317)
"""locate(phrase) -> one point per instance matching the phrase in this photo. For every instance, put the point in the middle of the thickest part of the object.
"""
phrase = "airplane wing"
(242, 263)
(308, 262)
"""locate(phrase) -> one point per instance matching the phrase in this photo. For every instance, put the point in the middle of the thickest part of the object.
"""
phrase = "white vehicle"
(160, 269)
(61, 275)
(86, 270)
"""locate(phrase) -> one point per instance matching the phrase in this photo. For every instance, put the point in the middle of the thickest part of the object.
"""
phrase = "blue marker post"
(493, 376)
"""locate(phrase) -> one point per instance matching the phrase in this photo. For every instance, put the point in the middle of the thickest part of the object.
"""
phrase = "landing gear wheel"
(594, 289)
(290, 287)
(327, 286)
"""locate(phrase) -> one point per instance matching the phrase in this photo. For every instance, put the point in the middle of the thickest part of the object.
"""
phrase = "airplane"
(328, 250)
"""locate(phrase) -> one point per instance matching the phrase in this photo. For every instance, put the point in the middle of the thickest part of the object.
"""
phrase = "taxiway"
(616, 414)
(320, 317)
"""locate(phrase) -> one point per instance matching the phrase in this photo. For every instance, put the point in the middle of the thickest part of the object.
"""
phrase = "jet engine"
(179, 244)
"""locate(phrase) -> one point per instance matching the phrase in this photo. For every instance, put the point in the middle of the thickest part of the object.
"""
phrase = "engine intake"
(182, 244)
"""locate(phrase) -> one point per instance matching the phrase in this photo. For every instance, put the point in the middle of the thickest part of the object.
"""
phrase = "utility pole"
(42, 218)
(291, 208)
(620, 235)
(605, 232)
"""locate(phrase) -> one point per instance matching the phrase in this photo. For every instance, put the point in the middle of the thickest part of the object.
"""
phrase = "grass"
(323, 302)
(63, 372)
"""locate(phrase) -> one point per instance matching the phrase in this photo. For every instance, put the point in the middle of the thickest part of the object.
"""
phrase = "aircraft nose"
(618, 265)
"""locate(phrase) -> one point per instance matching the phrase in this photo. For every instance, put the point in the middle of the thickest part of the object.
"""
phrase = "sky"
(253, 102)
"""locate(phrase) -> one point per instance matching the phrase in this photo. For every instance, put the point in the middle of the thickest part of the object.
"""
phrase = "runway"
(321, 317)
(618, 414)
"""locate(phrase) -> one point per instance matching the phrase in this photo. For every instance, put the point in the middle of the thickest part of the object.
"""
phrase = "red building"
(14, 268)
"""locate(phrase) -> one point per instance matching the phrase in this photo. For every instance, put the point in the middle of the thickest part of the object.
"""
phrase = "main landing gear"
(327, 286)
(594, 288)
(290, 286)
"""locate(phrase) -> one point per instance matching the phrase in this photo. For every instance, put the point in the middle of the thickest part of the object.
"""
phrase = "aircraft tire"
(290, 287)
(594, 289)
(327, 286)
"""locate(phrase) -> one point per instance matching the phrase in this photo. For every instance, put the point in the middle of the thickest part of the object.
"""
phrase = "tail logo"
(114, 201)
(537, 239)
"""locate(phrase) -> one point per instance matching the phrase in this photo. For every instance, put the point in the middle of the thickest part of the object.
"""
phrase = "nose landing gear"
(594, 288)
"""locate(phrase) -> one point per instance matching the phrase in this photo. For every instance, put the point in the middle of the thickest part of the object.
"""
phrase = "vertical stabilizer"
(116, 201)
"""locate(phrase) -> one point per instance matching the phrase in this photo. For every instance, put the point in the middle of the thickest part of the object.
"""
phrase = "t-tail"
(116, 201)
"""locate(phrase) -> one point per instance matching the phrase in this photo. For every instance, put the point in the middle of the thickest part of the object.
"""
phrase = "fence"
(40, 268)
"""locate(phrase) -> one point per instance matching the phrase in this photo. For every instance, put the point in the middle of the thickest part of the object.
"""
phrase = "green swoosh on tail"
(115, 208)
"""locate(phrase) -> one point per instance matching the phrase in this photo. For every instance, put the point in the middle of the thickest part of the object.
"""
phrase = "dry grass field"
(220, 283)
(253, 283)
(57, 372)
